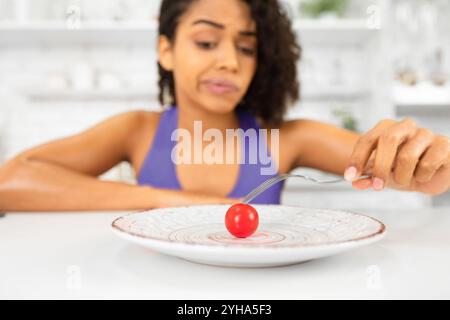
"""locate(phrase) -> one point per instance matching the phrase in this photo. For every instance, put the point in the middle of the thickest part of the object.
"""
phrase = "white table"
(73, 256)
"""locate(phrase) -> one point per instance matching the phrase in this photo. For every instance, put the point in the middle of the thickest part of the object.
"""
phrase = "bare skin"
(62, 175)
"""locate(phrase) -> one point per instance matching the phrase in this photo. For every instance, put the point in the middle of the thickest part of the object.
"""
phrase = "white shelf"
(422, 99)
(145, 32)
(95, 33)
(340, 93)
(424, 93)
(145, 94)
(333, 24)
(424, 110)
(89, 95)
(333, 32)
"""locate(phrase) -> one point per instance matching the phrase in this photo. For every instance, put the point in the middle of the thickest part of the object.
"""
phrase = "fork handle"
(270, 182)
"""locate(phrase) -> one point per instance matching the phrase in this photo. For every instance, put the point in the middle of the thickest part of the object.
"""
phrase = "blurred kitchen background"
(66, 65)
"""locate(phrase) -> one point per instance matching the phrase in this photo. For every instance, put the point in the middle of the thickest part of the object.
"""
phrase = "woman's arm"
(62, 175)
(321, 146)
(33, 185)
(397, 155)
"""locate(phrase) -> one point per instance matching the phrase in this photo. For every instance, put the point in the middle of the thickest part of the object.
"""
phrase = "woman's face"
(214, 55)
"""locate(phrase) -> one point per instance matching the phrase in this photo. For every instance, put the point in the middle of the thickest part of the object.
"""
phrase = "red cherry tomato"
(241, 220)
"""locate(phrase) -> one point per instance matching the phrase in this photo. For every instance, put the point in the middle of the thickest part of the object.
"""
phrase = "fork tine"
(256, 191)
(264, 186)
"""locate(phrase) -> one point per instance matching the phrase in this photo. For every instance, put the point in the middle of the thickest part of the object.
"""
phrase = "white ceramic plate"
(286, 234)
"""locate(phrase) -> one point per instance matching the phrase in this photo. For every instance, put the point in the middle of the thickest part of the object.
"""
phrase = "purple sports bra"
(159, 171)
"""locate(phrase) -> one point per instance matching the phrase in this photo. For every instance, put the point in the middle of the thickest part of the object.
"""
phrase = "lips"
(220, 86)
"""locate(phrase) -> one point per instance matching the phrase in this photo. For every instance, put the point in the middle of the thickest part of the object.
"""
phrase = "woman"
(228, 64)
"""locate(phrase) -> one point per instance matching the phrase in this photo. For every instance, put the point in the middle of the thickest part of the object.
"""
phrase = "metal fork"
(270, 182)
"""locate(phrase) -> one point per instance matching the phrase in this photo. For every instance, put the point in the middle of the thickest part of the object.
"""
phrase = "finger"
(409, 154)
(364, 148)
(387, 148)
(369, 166)
(362, 184)
(438, 185)
(436, 156)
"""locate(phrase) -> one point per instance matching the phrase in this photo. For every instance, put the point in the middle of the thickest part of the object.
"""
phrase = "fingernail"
(350, 174)
(377, 184)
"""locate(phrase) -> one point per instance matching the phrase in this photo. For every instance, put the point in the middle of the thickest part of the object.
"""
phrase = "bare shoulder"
(145, 125)
(142, 121)
(132, 126)
(98, 148)
(139, 119)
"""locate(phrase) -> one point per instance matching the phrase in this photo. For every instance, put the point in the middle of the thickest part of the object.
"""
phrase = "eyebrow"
(221, 26)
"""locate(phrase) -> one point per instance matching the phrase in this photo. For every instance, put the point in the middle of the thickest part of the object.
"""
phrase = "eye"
(247, 51)
(206, 45)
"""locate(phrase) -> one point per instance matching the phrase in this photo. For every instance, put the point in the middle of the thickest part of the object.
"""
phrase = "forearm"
(40, 186)
(324, 147)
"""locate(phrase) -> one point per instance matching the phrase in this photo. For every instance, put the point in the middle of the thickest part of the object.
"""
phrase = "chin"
(220, 106)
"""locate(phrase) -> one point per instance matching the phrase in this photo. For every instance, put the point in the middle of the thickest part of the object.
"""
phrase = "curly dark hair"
(275, 84)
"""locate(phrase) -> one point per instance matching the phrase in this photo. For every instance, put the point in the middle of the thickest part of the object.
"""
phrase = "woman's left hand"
(402, 156)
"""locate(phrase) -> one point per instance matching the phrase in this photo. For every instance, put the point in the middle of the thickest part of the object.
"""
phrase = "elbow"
(5, 173)
(9, 171)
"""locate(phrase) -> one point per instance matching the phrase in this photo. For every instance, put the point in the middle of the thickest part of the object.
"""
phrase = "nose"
(228, 58)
